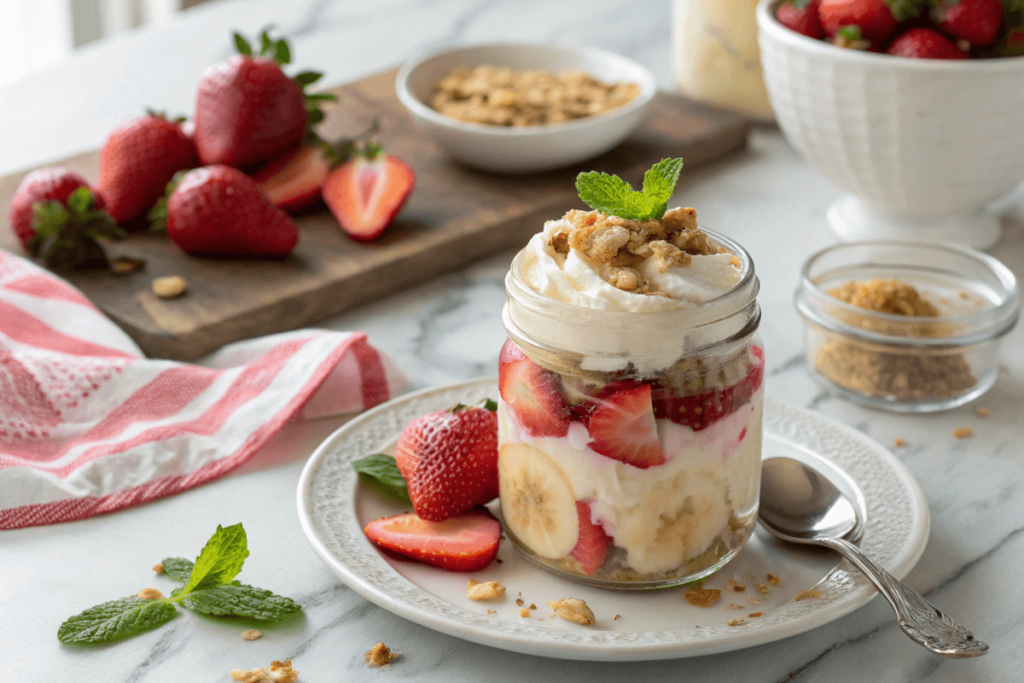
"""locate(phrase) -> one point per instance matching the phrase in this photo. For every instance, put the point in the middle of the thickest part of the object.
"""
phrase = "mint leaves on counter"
(614, 196)
(209, 587)
(380, 473)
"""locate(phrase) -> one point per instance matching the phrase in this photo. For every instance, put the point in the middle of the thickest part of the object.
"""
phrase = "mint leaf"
(660, 181)
(491, 406)
(178, 568)
(614, 196)
(220, 560)
(116, 620)
(605, 193)
(380, 473)
(239, 600)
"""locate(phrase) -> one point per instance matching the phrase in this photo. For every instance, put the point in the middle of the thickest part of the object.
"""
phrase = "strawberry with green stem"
(976, 21)
(877, 19)
(925, 43)
(801, 16)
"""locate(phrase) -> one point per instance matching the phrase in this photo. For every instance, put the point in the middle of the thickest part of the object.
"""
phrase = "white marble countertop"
(450, 329)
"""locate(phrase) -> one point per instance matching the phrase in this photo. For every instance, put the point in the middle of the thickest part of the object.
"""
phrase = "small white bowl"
(528, 148)
(921, 145)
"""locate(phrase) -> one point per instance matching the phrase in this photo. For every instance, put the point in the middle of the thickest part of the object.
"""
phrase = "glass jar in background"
(630, 443)
(717, 59)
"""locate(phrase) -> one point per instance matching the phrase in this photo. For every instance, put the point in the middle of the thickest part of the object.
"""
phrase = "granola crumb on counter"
(252, 634)
(733, 606)
(533, 606)
(755, 615)
(150, 594)
(490, 590)
(574, 610)
(773, 580)
(524, 612)
(169, 287)
(500, 96)
(735, 622)
(899, 441)
(490, 611)
(754, 601)
(808, 595)
(519, 602)
(279, 672)
(761, 588)
(702, 597)
(616, 617)
(733, 584)
(381, 655)
(982, 411)
(158, 567)
(963, 432)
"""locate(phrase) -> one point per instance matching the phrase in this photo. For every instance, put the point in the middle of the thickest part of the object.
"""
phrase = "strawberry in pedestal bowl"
(910, 106)
(631, 391)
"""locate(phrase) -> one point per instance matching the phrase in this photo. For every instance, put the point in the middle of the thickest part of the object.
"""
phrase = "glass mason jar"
(630, 443)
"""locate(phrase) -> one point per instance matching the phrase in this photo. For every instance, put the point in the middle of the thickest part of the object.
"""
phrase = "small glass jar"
(912, 364)
(630, 443)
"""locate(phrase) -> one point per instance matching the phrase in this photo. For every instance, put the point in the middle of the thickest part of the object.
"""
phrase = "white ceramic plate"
(334, 507)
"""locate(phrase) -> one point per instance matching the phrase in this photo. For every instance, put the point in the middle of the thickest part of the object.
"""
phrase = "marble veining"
(450, 329)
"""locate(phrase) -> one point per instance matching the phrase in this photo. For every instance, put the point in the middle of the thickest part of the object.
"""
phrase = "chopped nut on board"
(169, 287)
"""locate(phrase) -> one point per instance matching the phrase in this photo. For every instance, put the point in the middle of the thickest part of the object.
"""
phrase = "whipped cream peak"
(597, 261)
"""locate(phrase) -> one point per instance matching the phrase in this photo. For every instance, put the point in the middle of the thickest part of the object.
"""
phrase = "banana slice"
(537, 501)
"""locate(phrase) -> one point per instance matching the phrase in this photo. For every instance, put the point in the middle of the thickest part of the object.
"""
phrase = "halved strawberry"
(593, 543)
(700, 411)
(293, 181)
(449, 460)
(367, 192)
(461, 544)
(532, 393)
(622, 427)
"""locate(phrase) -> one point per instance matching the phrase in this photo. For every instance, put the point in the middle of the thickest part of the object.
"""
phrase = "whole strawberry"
(56, 216)
(449, 460)
(248, 110)
(220, 210)
(925, 43)
(976, 21)
(877, 19)
(801, 16)
(137, 161)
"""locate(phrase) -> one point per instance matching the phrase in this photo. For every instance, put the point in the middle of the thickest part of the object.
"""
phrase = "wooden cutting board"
(454, 216)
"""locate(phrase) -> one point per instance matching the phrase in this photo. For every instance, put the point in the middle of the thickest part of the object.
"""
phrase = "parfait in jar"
(629, 424)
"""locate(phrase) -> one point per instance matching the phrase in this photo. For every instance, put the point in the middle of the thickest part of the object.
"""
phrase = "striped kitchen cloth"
(88, 424)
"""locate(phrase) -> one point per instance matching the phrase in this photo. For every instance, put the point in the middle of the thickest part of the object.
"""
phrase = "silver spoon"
(801, 505)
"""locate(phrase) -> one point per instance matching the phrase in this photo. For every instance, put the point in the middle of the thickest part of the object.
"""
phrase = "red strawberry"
(703, 410)
(367, 192)
(532, 393)
(461, 544)
(220, 210)
(56, 216)
(248, 110)
(293, 181)
(925, 43)
(622, 427)
(138, 160)
(593, 542)
(802, 17)
(876, 18)
(449, 460)
(976, 21)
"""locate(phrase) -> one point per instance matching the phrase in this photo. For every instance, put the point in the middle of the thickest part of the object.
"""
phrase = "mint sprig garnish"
(612, 195)
(380, 473)
(209, 587)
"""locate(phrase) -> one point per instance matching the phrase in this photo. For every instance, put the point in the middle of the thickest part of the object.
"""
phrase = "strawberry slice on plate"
(532, 393)
(366, 192)
(622, 427)
(449, 460)
(593, 543)
(461, 544)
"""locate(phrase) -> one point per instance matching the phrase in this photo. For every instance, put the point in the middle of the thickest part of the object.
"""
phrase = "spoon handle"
(921, 620)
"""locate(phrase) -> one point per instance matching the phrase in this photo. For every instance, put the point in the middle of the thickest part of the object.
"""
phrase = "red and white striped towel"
(89, 425)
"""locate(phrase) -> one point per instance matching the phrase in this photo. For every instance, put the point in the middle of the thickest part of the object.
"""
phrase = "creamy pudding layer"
(665, 516)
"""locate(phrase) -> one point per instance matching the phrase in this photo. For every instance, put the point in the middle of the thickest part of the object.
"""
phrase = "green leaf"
(307, 77)
(220, 560)
(157, 216)
(321, 97)
(905, 9)
(614, 196)
(850, 32)
(80, 203)
(283, 54)
(314, 116)
(380, 473)
(116, 620)
(240, 600)
(603, 192)
(490, 405)
(178, 568)
(265, 43)
(660, 181)
(243, 46)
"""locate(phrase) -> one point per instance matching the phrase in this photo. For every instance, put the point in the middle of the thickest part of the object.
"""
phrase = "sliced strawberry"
(532, 394)
(925, 43)
(622, 427)
(449, 460)
(700, 411)
(461, 544)
(593, 543)
(365, 194)
(293, 181)
(801, 16)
